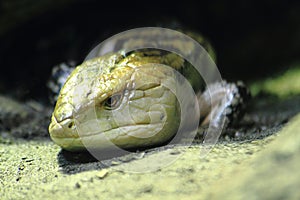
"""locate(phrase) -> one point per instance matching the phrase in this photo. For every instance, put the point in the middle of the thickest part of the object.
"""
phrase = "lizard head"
(115, 100)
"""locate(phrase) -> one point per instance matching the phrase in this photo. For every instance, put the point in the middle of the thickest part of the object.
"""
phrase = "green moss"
(282, 85)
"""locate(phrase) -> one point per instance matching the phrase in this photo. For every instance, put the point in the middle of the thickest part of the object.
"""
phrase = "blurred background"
(252, 39)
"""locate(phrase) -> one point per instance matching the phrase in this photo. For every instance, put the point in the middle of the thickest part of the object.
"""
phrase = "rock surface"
(265, 168)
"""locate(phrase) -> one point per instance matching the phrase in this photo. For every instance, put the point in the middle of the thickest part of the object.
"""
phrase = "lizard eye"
(113, 101)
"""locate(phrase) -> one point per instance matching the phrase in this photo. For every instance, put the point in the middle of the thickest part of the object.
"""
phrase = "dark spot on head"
(71, 124)
(112, 69)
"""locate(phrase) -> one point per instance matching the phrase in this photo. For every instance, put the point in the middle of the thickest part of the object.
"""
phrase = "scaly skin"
(84, 109)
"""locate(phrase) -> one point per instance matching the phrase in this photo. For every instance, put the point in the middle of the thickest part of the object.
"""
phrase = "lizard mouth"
(125, 137)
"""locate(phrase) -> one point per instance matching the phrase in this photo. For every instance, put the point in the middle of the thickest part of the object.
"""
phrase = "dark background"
(253, 39)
